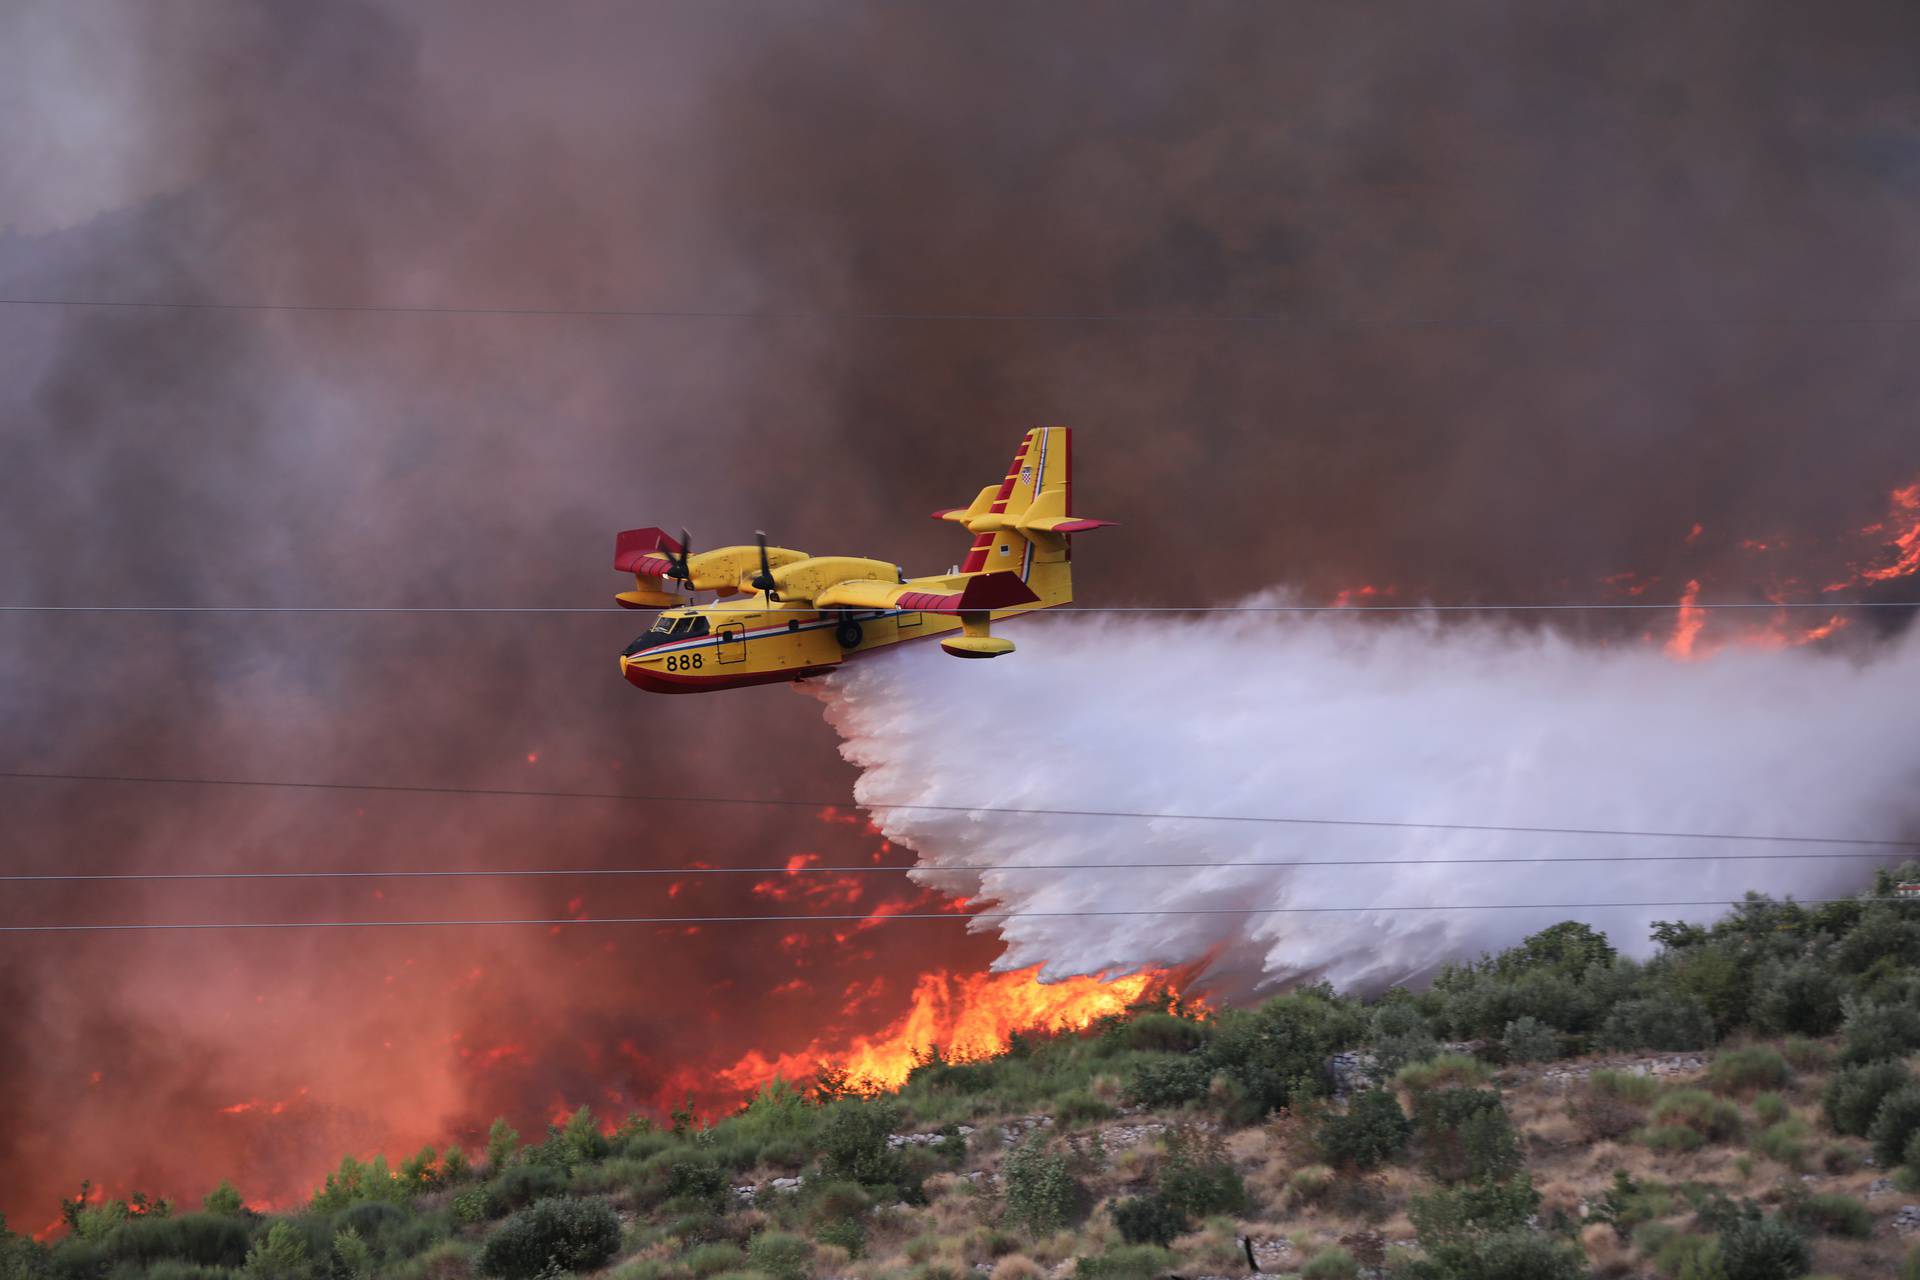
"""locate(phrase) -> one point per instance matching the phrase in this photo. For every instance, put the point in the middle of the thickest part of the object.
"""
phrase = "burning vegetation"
(1552, 1112)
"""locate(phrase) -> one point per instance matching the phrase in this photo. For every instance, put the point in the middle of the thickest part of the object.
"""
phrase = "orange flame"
(965, 1016)
(1903, 517)
(1686, 629)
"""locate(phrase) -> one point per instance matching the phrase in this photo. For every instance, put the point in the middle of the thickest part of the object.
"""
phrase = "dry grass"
(1605, 1254)
(1017, 1266)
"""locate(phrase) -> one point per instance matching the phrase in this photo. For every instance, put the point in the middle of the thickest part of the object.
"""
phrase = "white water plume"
(1413, 720)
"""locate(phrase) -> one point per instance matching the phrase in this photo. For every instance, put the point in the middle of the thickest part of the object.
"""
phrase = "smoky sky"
(1484, 301)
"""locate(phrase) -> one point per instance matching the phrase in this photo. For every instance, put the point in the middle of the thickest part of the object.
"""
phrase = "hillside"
(1744, 1106)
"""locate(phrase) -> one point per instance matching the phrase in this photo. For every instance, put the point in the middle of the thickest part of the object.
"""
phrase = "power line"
(517, 873)
(1310, 323)
(1142, 815)
(1583, 606)
(884, 919)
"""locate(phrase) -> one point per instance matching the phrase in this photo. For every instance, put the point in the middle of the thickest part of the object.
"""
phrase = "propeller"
(763, 581)
(679, 560)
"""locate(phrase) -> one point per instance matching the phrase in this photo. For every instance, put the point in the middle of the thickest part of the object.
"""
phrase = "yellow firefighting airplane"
(786, 615)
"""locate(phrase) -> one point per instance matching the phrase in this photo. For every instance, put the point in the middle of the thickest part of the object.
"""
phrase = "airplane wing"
(981, 591)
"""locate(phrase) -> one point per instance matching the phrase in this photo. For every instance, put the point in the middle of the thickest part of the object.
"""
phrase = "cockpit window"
(684, 627)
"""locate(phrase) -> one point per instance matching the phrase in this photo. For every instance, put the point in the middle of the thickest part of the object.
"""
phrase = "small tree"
(224, 1201)
(1894, 1125)
(502, 1142)
(1763, 1249)
(355, 1257)
(281, 1254)
(1372, 1131)
(1041, 1191)
(1527, 1039)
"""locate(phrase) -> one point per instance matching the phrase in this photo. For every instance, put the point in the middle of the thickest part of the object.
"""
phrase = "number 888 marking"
(682, 661)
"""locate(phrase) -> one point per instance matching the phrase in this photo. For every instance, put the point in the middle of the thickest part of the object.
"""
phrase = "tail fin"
(1023, 521)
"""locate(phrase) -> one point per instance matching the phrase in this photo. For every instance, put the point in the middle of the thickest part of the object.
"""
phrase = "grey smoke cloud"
(1544, 287)
(1361, 718)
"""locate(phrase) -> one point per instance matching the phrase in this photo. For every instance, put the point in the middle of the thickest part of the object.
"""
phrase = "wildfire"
(1347, 598)
(964, 1016)
(1900, 531)
(1686, 628)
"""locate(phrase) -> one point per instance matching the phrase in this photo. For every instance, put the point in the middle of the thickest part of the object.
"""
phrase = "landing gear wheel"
(848, 633)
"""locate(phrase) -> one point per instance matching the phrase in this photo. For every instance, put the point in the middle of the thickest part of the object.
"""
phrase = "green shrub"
(1641, 1090)
(1831, 1215)
(1785, 1141)
(574, 1235)
(281, 1254)
(205, 1239)
(1148, 1220)
(1275, 1054)
(1401, 1035)
(1448, 1071)
(1163, 1083)
(1518, 1254)
(1041, 1191)
(1875, 1032)
(782, 1256)
(1131, 1262)
(1672, 1138)
(1771, 1108)
(1714, 1119)
(521, 1185)
(1853, 1095)
(1801, 996)
(1807, 1055)
(853, 1143)
(1763, 1249)
(696, 1180)
(1668, 1022)
(1744, 1070)
(1331, 1264)
(1451, 1217)
(846, 1233)
(1649, 1238)
(1371, 1131)
(352, 1255)
(1465, 1135)
(1910, 1270)
(1079, 1107)
(1309, 1184)
(503, 1142)
(224, 1200)
(711, 1259)
(1197, 1179)
(448, 1260)
(471, 1207)
(1156, 1033)
(1894, 1125)
(1527, 1039)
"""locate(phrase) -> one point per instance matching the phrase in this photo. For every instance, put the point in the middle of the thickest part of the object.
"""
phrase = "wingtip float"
(781, 614)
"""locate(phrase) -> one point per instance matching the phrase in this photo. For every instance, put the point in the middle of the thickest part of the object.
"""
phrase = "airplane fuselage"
(728, 645)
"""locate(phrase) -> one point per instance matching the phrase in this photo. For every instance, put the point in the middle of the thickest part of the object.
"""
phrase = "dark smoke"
(1539, 289)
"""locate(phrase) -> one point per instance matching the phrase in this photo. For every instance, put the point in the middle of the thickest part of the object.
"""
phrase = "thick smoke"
(1542, 287)
(1348, 717)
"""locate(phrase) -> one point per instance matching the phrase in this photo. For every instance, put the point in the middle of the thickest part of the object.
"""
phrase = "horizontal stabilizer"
(982, 592)
(640, 551)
